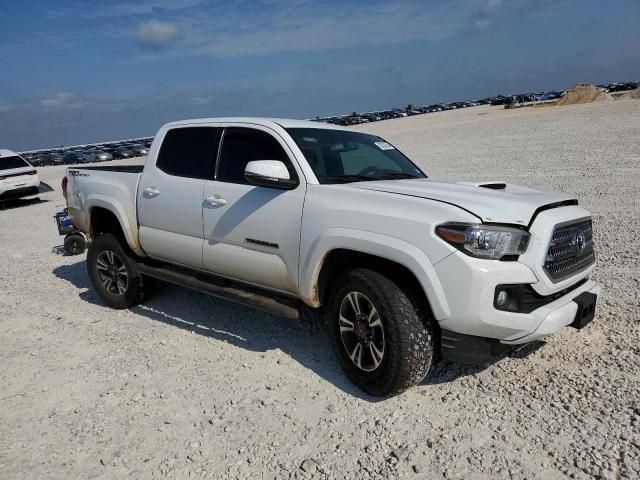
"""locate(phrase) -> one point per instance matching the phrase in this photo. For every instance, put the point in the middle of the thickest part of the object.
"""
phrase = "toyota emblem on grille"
(580, 242)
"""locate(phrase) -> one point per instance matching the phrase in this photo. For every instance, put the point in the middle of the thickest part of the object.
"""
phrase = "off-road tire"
(138, 287)
(408, 332)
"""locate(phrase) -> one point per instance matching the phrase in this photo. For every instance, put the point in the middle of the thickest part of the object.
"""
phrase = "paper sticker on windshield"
(384, 146)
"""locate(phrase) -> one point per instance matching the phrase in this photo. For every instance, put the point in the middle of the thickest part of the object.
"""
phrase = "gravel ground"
(190, 387)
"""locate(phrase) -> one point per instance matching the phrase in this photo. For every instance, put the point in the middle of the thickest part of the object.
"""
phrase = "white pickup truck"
(277, 214)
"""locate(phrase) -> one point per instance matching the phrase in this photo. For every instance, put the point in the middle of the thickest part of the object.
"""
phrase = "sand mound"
(633, 94)
(584, 93)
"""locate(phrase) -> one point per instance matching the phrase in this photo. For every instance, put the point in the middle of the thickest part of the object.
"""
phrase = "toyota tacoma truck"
(282, 215)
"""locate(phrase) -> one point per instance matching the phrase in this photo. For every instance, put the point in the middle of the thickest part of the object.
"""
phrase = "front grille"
(570, 249)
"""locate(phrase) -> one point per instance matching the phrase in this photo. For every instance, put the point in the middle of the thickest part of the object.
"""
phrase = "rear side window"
(243, 145)
(9, 163)
(189, 152)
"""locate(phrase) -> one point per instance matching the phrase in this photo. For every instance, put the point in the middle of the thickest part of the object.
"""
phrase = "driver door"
(252, 233)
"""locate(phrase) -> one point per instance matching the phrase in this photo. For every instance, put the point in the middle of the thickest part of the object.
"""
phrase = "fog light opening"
(502, 297)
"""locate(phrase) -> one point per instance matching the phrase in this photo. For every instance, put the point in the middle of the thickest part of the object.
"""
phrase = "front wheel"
(382, 334)
(113, 275)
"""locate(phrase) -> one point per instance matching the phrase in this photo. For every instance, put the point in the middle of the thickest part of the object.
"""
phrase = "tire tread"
(412, 339)
(138, 290)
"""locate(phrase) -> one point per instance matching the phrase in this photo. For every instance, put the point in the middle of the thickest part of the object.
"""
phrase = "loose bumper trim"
(470, 349)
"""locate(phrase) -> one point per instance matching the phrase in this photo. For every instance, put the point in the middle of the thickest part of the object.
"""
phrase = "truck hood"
(492, 201)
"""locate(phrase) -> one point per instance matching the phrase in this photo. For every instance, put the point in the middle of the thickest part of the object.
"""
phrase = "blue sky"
(75, 72)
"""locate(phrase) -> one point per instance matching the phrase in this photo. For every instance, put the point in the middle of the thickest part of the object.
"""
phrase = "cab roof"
(263, 121)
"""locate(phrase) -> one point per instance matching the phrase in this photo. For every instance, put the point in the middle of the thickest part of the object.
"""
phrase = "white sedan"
(18, 178)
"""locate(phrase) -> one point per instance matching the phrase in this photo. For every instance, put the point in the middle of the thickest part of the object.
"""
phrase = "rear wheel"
(113, 275)
(382, 334)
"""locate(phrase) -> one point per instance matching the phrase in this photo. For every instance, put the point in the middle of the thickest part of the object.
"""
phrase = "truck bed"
(113, 187)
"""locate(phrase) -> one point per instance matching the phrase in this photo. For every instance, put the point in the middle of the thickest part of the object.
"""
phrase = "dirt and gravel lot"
(185, 386)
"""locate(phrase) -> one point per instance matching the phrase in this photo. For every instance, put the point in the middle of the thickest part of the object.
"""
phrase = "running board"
(236, 295)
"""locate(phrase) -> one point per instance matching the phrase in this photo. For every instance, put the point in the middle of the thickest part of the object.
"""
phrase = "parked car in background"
(621, 87)
(110, 149)
(92, 156)
(72, 157)
(549, 96)
(87, 156)
(38, 160)
(18, 178)
(55, 158)
(500, 100)
(32, 158)
(102, 156)
(123, 152)
(139, 150)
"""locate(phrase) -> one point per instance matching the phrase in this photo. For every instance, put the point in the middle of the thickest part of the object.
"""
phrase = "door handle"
(215, 200)
(151, 192)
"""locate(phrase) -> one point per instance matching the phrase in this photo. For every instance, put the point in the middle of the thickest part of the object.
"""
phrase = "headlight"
(484, 241)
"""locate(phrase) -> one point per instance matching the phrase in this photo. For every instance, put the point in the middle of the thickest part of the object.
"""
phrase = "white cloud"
(123, 9)
(295, 25)
(229, 29)
(482, 23)
(202, 100)
(155, 34)
(62, 100)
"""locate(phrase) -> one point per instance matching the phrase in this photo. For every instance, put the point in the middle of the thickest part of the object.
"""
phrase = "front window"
(339, 156)
(9, 163)
(243, 145)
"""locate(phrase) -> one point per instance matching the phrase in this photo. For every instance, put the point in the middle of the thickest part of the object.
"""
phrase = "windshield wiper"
(395, 176)
(347, 178)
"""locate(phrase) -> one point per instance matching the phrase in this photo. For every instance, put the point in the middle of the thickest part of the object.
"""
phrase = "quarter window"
(189, 152)
(243, 145)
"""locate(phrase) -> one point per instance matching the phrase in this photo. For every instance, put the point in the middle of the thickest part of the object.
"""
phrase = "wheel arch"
(341, 259)
(404, 263)
(107, 218)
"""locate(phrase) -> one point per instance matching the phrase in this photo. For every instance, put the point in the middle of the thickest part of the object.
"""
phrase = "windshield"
(338, 156)
(9, 163)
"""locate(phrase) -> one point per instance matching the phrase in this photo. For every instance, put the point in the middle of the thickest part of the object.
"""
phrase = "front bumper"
(558, 314)
(471, 349)
(470, 284)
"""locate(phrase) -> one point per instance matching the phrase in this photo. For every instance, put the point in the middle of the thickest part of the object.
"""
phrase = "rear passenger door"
(170, 194)
(252, 233)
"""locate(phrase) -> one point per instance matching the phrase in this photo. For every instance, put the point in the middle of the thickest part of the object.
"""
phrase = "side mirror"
(269, 173)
